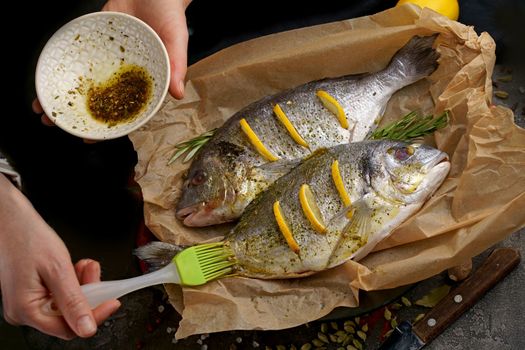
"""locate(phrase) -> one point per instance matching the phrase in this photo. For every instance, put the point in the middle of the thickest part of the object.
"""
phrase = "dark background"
(85, 190)
(88, 184)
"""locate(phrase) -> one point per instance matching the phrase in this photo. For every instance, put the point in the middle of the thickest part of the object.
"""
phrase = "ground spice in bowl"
(122, 97)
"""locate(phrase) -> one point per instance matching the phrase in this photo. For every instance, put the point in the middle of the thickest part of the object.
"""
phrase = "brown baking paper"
(479, 204)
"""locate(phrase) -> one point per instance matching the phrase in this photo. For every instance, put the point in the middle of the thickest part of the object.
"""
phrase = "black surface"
(402, 339)
(83, 190)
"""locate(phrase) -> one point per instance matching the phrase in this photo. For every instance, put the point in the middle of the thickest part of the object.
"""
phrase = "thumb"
(64, 285)
(175, 37)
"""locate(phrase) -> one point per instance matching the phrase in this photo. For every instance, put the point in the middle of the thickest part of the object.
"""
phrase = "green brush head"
(202, 263)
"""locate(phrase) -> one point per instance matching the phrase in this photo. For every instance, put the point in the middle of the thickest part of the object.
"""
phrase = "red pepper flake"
(386, 328)
(375, 317)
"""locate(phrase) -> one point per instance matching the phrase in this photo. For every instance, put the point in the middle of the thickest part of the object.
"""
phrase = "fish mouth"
(199, 215)
(441, 157)
(432, 168)
(436, 172)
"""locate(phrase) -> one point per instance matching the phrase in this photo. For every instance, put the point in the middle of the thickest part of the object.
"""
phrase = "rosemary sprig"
(410, 127)
(192, 146)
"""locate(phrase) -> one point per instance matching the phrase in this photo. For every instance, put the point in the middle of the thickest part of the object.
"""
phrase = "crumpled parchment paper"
(480, 203)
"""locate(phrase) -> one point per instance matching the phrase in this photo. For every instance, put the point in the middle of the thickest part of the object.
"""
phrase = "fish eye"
(403, 153)
(198, 178)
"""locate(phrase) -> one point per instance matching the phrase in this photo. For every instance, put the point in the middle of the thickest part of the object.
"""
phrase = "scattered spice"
(501, 94)
(405, 301)
(505, 78)
(306, 346)
(388, 315)
(434, 296)
(357, 344)
(317, 342)
(122, 97)
(349, 328)
(361, 335)
(393, 323)
(322, 337)
(396, 306)
(418, 317)
(324, 327)
(350, 323)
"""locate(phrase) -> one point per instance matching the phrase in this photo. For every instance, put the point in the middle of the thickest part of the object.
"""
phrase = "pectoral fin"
(360, 221)
(354, 226)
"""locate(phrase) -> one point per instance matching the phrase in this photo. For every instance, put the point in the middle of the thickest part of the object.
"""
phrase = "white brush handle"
(100, 292)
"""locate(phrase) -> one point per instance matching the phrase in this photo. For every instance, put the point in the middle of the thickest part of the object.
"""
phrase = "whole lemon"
(449, 8)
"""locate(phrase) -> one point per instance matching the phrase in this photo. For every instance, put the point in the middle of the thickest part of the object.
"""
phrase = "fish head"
(209, 193)
(409, 173)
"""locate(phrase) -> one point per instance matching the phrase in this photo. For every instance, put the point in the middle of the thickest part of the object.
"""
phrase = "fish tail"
(416, 60)
(157, 254)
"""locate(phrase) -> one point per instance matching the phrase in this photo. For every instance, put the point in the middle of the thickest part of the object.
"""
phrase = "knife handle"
(495, 267)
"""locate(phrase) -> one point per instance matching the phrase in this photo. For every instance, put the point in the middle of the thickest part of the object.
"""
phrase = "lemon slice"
(338, 181)
(333, 106)
(285, 229)
(310, 208)
(289, 126)
(254, 140)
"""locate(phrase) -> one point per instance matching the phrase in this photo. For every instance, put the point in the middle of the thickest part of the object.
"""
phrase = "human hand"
(35, 263)
(168, 19)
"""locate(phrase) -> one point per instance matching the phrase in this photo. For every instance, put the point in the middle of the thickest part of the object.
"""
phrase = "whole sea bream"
(266, 139)
(335, 206)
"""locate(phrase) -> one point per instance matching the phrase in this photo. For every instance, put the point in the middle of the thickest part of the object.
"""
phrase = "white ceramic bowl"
(88, 51)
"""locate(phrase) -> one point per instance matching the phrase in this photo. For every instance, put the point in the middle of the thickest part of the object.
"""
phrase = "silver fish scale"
(257, 241)
(317, 125)
(362, 99)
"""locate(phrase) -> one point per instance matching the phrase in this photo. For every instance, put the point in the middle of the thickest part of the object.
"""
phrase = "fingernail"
(86, 326)
(181, 87)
